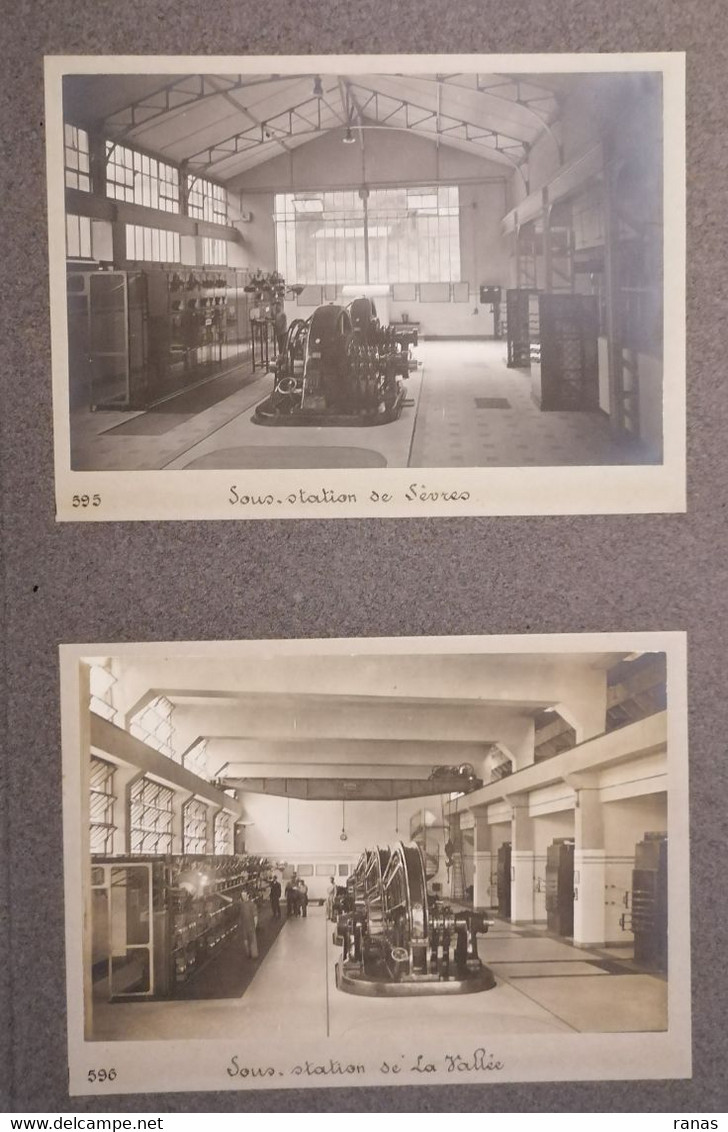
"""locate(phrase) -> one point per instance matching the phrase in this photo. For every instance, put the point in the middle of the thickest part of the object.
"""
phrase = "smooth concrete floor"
(559, 990)
(440, 426)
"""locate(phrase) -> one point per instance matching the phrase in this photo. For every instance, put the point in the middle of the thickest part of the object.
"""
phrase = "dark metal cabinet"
(560, 887)
(504, 880)
(649, 901)
(569, 358)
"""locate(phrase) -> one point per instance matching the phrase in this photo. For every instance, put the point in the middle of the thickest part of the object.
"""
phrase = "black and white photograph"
(402, 285)
(376, 861)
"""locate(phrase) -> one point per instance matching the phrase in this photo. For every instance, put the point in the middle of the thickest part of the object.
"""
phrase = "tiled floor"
(544, 986)
(452, 430)
(441, 426)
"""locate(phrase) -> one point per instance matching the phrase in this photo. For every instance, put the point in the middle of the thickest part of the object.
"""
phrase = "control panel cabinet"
(649, 901)
(560, 887)
(157, 919)
(504, 880)
(137, 337)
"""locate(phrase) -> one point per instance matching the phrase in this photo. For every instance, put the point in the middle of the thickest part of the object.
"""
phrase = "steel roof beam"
(151, 111)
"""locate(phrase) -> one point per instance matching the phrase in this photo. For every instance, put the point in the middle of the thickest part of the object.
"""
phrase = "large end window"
(382, 236)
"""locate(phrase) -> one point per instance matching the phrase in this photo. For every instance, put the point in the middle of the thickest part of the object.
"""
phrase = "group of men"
(296, 897)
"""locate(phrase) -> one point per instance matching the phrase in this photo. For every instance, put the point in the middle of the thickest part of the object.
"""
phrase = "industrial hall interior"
(332, 843)
(363, 269)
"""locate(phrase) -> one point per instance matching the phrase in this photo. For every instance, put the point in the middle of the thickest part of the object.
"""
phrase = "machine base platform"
(353, 981)
(267, 413)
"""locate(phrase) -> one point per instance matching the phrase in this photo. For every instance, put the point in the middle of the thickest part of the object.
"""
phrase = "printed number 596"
(101, 1075)
(87, 500)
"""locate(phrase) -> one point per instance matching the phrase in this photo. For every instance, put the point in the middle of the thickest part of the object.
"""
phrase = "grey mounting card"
(518, 221)
(192, 769)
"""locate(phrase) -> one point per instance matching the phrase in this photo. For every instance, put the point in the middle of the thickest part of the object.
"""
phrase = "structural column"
(589, 863)
(483, 861)
(521, 860)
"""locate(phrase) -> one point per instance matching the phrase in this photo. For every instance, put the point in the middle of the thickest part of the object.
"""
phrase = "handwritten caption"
(301, 497)
(479, 1061)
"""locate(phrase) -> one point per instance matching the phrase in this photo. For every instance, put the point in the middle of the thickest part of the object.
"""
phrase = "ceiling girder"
(177, 95)
(353, 789)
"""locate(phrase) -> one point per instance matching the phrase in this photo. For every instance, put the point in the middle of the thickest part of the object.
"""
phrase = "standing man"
(302, 897)
(330, 897)
(291, 897)
(275, 898)
(247, 923)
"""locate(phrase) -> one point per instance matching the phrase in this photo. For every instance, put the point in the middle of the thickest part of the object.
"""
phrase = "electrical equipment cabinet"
(138, 337)
(560, 886)
(157, 920)
(649, 901)
(518, 327)
(568, 330)
(504, 880)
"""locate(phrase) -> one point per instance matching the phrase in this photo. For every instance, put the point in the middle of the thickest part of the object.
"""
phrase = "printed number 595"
(101, 1075)
(87, 500)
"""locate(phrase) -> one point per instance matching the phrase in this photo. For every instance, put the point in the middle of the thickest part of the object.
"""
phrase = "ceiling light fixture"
(318, 90)
(348, 138)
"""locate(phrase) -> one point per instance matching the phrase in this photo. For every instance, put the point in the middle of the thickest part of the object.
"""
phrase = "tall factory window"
(383, 236)
(150, 816)
(414, 235)
(223, 834)
(139, 179)
(206, 200)
(102, 681)
(214, 252)
(156, 245)
(101, 806)
(77, 166)
(153, 725)
(320, 237)
(194, 827)
(78, 237)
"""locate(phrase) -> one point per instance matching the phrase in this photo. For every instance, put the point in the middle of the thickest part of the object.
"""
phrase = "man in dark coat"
(275, 898)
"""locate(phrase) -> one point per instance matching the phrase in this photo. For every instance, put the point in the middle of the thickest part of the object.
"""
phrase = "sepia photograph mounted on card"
(367, 285)
(376, 861)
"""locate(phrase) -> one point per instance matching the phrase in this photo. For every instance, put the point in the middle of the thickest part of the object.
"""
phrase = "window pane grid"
(195, 760)
(194, 827)
(214, 251)
(223, 834)
(150, 817)
(135, 177)
(78, 236)
(101, 806)
(413, 236)
(156, 245)
(153, 725)
(206, 200)
(77, 163)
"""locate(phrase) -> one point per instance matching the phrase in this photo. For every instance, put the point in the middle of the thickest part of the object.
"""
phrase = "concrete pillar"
(589, 863)
(521, 860)
(178, 800)
(483, 862)
(212, 812)
(548, 263)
